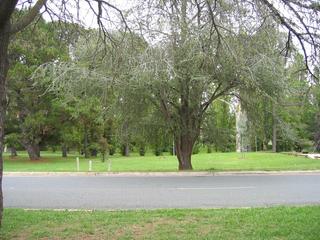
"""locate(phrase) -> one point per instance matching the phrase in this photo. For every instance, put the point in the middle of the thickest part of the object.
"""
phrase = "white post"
(78, 164)
(90, 165)
(109, 165)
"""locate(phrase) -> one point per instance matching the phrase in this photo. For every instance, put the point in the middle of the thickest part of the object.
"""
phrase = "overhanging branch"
(28, 18)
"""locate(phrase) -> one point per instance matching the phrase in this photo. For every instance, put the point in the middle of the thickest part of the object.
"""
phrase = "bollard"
(109, 165)
(78, 164)
(90, 165)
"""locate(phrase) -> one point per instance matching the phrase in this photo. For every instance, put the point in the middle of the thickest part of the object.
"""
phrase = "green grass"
(201, 162)
(256, 223)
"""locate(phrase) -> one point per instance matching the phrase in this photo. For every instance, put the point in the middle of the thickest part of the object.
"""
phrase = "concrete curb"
(163, 174)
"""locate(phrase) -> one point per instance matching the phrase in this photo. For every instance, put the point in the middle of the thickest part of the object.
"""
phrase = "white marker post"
(78, 164)
(109, 165)
(90, 165)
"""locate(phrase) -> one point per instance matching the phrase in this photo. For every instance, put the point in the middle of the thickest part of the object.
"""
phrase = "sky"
(79, 11)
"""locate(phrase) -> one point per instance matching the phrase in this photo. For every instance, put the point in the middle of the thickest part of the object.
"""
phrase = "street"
(141, 192)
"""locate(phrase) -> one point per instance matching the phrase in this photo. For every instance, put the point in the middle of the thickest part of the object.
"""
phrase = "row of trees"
(94, 97)
(83, 92)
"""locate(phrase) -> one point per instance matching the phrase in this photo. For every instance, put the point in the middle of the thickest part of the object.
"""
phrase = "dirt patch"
(22, 235)
(134, 231)
(207, 229)
(138, 231)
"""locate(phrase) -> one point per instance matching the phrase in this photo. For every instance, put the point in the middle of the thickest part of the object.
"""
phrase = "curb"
(163, 174)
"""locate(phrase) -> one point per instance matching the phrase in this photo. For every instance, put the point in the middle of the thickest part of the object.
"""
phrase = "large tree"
(202, 54)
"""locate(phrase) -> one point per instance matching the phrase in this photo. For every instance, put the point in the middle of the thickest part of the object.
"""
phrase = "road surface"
(120, 192)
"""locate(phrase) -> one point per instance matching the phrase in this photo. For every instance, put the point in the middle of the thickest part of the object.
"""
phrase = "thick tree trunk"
(125, 151)
(4, 66)
(33, 151)
(13, 151)
(184, 145)
(64, 150)
(242, 130)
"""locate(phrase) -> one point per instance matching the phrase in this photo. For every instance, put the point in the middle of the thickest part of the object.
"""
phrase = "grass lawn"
(201, 162)
(256, 223)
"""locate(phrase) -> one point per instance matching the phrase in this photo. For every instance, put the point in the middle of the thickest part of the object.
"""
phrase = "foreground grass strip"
(256, 223)
(51, 162)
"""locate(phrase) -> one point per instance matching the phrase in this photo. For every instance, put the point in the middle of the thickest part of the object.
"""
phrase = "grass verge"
(51, 162)
(255, 223)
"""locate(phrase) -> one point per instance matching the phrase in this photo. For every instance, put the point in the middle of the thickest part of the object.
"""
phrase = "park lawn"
(253, 223)
(53, 162)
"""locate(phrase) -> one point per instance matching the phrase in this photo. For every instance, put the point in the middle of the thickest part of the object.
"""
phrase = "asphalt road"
(118, 192)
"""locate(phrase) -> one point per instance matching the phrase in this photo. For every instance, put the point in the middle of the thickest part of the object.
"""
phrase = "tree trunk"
(94, 152)
(274, 129)
(85, 143)
(33, 151)
(13, 151)
(64, 150)
(184, 145)
(317, 133)
(265, 145)
(242, 130)
(4, 66)
(125, 149)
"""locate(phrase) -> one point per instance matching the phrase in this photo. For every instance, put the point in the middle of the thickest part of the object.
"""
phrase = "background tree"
(33, 109)
(218, 129)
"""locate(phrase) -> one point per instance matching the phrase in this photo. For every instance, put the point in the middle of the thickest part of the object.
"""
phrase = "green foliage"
(196, 148)
(103, 147)
(131, 92)
(219, 127)
(12, 140)
(29, 108)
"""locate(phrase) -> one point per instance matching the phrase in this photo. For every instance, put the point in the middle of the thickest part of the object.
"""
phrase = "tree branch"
(28, 18)
(288, 25)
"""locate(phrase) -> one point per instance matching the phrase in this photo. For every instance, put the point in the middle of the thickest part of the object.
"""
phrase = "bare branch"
(289, 25)
(28, 18)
